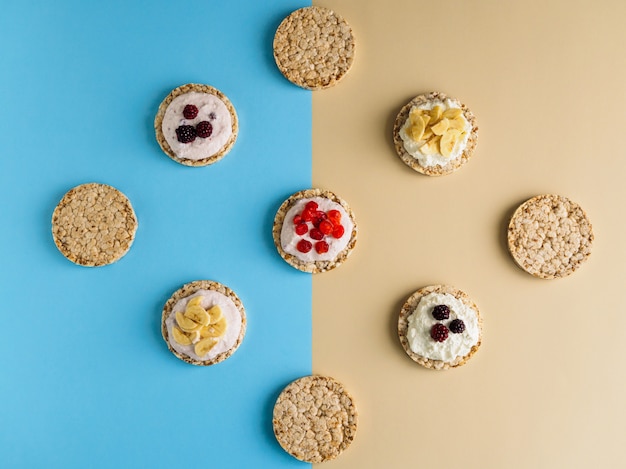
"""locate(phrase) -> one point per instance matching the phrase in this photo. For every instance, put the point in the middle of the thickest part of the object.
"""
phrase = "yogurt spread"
(211, 109)
(289, 239)
(229, 311)
(456, 345)
(436, 159)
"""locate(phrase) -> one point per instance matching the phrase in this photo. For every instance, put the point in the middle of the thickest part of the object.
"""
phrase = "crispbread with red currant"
(434, 134)
(196, 125)
(440, 327)
(314, 230)
(549, 236)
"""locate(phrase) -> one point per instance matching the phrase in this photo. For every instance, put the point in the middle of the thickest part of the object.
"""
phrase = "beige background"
(547, 82)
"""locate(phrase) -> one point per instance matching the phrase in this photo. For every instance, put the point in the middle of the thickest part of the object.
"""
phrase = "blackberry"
(441, 312)
(457, 326)
(439, 332)
(204, 129)
(190, 111)
(186, 133)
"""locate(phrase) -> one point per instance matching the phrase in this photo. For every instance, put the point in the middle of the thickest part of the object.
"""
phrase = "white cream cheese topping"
(422, 320)
(436, 159)
(229, 311)
(211, 109)
(289, 239)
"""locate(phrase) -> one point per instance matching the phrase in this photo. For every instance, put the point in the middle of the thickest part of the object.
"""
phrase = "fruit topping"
(439, 332)
(190, 111)
(297, 220)
(199, 327)
(186, 133)
(304, 246)
(457, 326)
(321, 247)
(437, 131)
(302, 229)
(334, 216)
(338, 231)
(441, 312)
(316, 234)
(204, 129)
(311, 205)
(326, 227)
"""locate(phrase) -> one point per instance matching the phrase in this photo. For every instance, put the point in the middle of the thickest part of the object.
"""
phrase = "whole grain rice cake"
(447, 167)
(224, 126)
(340, 247)
(549, 236)
(314, 47)
(236, 321)
(315, 419)
(472, 327)
(94, 225)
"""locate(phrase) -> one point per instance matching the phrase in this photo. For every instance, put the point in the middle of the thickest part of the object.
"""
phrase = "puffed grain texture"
(314, 48)
(549, 236)
(94, 224)
(315, 419)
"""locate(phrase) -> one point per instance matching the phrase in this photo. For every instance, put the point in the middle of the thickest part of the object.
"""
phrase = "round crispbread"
(94, 224)
(549, 236)
(158, 125)
(315, 419)
(403, 326)
(313, 267)
(314, 47)
(188, 290)
(413, 162)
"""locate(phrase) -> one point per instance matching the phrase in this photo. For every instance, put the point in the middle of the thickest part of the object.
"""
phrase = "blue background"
(85, 378)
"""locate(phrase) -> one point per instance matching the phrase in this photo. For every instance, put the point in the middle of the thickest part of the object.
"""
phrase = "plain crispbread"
(411, 161)
(549, 236)
(188, 290)
(314, 47)
(158, 124)
(403, 326)
(315, 419)
(94, 224)
(313, 267)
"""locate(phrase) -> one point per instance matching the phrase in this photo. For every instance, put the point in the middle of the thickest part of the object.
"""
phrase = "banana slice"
(428, 133)
(180, 336)
(204, 346)
(458, 123)
(452, 113)
(449, 141)
(415, 114)
(435, 114)
(215, 330)
(186, 324)
(215, 314)
(197, 314)
(440, 127)
(195, 301)
(431, 146)
(416, 130)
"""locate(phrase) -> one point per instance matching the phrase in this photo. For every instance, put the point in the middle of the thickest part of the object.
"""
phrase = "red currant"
(307, 215)
(321, 247)
(297, 220)
(304, 246)
(316, 234)
(338, 231)
(334, 216)
(311, 205)
(301, 229)
(326, 227)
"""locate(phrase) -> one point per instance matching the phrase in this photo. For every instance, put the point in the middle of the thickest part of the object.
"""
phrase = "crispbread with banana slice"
(203, 323)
